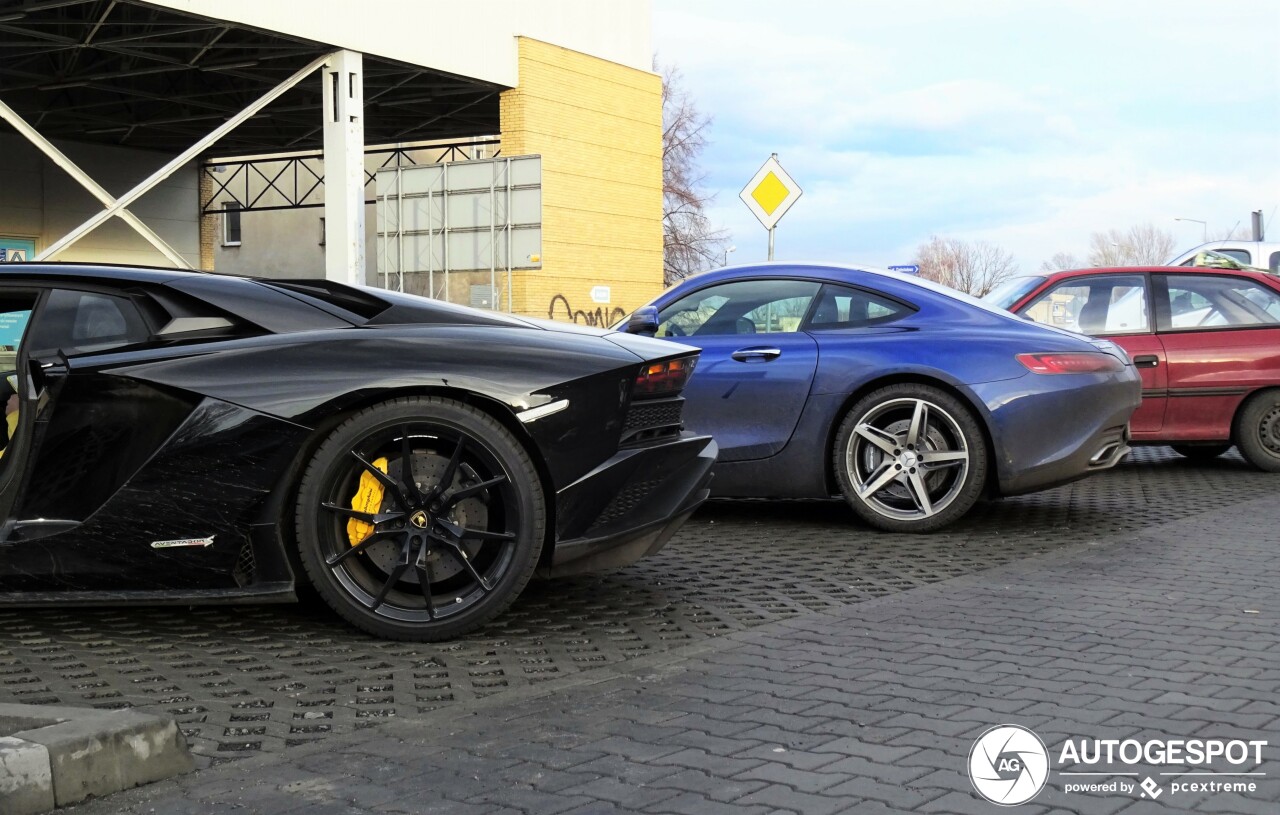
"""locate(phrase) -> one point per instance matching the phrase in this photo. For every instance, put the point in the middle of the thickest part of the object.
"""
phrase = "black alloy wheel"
(420, 519)
(1257, 430)
(910, 458)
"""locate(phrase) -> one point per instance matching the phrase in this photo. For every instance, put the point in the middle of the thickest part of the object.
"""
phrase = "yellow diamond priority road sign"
(770, 193)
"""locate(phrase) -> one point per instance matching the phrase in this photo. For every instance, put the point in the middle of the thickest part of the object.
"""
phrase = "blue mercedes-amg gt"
(910, 399)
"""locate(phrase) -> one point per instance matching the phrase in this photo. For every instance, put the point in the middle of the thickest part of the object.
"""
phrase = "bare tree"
(1142, 245)
(689, 242)
(1059, 262)
(975, 268)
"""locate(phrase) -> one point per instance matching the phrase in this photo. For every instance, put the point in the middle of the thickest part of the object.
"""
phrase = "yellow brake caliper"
(368, 499)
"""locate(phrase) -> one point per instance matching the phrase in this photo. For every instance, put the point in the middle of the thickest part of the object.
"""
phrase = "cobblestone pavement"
(248, 680)
(773, 648)
(1163, 632)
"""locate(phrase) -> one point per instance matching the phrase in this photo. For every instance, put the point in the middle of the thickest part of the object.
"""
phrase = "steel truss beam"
(185, 157)
(59, 158)
(152, 70)
(246, 182)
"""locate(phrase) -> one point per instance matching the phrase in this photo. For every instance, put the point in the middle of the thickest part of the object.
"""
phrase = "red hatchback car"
(1206, 341)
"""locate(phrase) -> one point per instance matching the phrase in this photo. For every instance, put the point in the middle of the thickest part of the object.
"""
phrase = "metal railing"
(296, 180)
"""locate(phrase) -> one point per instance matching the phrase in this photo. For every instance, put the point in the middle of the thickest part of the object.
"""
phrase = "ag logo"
(1008, 765)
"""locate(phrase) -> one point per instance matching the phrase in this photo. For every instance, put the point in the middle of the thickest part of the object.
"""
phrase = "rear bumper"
(1056, 435)
(1103, 451)
(631, 505)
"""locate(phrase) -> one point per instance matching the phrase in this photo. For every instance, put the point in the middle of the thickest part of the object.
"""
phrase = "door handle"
(1146, 361)
(756, 354)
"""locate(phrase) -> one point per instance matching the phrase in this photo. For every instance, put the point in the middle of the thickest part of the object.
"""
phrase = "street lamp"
(1204, 228)
(726, 254)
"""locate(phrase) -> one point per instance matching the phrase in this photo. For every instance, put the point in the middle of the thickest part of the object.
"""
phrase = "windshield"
(1012, 290)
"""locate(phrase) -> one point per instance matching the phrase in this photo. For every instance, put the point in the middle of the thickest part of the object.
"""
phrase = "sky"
(1029, 124)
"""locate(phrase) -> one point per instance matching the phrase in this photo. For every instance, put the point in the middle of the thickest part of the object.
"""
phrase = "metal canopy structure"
(129, 73)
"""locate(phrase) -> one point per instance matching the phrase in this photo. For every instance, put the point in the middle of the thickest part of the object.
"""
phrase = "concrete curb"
(54, 756)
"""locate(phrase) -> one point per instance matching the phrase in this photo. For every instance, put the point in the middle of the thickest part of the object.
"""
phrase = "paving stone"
(802, 780)
(805, 759)
(961, 803)
(632, 748)
(692, 804)
(901, 797)
(781, 796)
(715, 787)
(530, 800)
(431, 805)
(896, 772)
(621, 793)
(287, 663)
(1152, 602)
(709, 762)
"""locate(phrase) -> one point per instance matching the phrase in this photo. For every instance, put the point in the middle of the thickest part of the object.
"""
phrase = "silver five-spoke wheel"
(910, 458)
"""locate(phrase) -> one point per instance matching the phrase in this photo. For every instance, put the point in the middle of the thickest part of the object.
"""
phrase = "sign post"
(769, 194)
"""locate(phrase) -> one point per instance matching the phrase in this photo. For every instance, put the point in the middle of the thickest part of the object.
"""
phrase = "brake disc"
(428, 467)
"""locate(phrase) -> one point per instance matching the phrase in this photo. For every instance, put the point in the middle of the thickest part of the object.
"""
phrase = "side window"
(230, 223)
(1107, 304)
(15, 313)
(1274, 262)
(1219, 301)
(842, 307)
(76, 322)
(741, 307)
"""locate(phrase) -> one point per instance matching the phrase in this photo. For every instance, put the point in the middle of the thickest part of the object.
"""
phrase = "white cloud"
(1026, 124)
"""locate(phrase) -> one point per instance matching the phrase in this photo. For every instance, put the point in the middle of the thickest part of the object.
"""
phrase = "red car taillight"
(665, 378)
(1083, 363)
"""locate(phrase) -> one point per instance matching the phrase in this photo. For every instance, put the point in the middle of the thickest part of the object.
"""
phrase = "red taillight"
(1083, 363)
(664, 378)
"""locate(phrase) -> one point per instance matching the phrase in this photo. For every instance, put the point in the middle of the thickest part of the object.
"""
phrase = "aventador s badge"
(183, 542)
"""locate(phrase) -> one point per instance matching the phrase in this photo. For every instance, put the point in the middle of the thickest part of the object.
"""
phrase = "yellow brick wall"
(208, 223)
(598, 127)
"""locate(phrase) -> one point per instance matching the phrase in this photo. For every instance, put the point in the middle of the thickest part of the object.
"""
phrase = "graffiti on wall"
(600, 317)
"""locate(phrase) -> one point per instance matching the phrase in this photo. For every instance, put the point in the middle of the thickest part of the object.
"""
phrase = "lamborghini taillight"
(664, 378)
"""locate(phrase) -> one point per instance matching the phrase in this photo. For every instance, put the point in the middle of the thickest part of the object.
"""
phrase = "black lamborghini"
(181, 437)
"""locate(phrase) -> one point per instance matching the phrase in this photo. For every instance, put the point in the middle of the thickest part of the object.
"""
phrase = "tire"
(1200, 452)
(469, 527)
(874, 444)
(1257, 431)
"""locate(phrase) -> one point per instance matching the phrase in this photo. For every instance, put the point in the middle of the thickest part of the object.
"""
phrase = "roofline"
(117, 271)
(1145, 269)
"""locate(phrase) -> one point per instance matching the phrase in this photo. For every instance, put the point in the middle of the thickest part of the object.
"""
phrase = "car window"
(77, 322)
(15, 313)
(1012, 290)
(740, 307)
(1274, 263)
(843, 307)
(1218, 301)
(1241, 255)
(1106, 304)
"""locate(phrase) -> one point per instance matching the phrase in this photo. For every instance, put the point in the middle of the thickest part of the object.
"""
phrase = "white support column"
(344, 168)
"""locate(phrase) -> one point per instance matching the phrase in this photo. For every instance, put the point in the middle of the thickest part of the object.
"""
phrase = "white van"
(1262, 254)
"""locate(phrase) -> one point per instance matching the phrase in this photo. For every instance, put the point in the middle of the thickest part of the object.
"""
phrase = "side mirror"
(643, 320)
